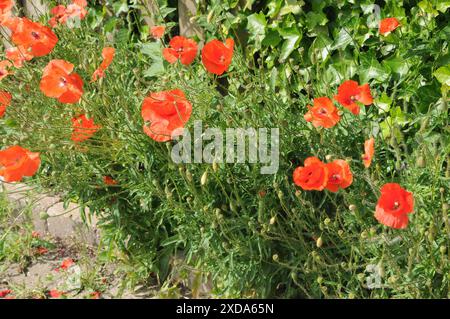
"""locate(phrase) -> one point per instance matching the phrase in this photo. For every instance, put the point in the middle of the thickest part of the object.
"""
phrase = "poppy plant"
(181, 48)
(350, 92)
(369, 150)
(394, 205)
(157, 31)
(388, 25)
(339, 175)
(5, 100)
(167, 112)
(58, 81)
(323, 113)
(32, 35)
(54, 293)
(18, 55)
(4, 69)
(313, 176)
(108, 56)
(217, 56)
(17, 162)
(83, 128)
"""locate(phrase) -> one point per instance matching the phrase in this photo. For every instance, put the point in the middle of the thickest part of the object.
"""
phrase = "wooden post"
(186, 10)
(33, 9)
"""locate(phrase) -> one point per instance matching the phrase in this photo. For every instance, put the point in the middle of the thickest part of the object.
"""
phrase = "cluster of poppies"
(165, 113)
(395, 203)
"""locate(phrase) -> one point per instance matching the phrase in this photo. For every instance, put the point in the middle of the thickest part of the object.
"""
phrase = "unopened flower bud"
(272, 220)
(319, 242)
(204, 178)
(352, 208)
(275, 257)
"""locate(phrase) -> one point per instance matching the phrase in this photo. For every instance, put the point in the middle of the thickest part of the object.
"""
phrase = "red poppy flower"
(394, 205)
(58, 81)
(58, 15)
(313, 176)
(217, 56)
(77, 9)
(157, 31)
(17, 162)
(5, 9)
(54, 293)
(339, 175)
(95, 295)
(32, 35)
(351, 92)
(388, 25)
(108, 56)
(108, 180)
(5, 100)
(83, 128)
(5, 292)
(66, 264)
(35, 234)
(369, 150)
(323, 113)
(4, 69)
(181, 48)
(41, 250)
(18, 55)
(167, 112)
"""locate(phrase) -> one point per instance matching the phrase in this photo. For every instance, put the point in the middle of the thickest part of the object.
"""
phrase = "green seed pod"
(351, 295)
(340, 232)
(43, 215)
(443, 249)
(327, 221)
(319, 280)
(364, 234)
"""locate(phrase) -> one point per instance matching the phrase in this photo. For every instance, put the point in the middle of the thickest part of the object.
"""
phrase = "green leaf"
(371, 69)
(152, 49)
(397, 65)
(343, 39)
(256, 25)
(383, 103)
(156, 69)
(292, 38)
(272, 39)
(443, 75)
(443, 6)
(321, 48)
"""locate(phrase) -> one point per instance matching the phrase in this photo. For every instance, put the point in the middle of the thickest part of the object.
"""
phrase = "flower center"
(322, 111)
(335, 177)
(62, 82)
(396, 205)
(35, 35)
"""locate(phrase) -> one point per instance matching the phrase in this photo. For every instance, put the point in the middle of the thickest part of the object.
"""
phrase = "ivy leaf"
(443, 75)
(397, 65)
(292, 38)
(156, 69)
(342, 40)
(256, 25)
(152, 49)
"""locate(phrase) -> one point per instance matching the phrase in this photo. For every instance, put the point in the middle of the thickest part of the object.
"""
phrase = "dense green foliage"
(257, 235)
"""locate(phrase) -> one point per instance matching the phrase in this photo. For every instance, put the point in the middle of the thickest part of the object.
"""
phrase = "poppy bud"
(294, 276)
(364, 234)
(275, 257)
(204, 178)
(210, 16)
(392, 279)
(361, 276)
(420, 162)
(280, 195)
(319, 242)
(298, 193)
(442, 190)
(319, 280)
(340, 232)
(351, 295)
(442, 249)
(352, 208)
(328, 157)
(327, 221)
(189, 176)
(215, 166)
(43, 215)
(272, 220)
